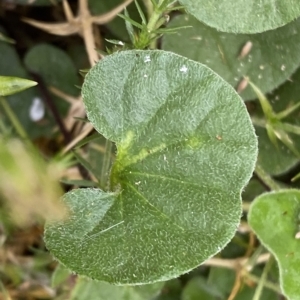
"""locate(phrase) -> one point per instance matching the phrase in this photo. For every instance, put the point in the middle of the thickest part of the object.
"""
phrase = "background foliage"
(48, 147)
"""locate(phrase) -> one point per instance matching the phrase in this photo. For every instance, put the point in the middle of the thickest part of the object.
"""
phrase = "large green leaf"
(275, 218)
(244, 16)
(185, 149)
(272, 58)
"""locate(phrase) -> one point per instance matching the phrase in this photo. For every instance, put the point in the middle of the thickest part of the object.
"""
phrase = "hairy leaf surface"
(185, 149)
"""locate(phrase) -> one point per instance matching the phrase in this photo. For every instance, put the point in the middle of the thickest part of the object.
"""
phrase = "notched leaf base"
(178, 200)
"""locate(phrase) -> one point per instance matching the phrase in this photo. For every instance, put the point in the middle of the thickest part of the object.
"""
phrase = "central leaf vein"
(163, 215)
(163, 178)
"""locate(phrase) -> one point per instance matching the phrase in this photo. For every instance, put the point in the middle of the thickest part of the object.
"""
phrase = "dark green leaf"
(241, 16)
(267, 59)
(279, 161)
(197, 288)
(54, 66)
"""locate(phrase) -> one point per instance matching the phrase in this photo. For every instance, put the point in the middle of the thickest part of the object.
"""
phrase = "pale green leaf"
(4, 38)
(267, 59)
(93, 290)
(21, 102)
(22, 174)
(59, 275)
(264, 102)
(243, 16)
(274, 217)
(185, 150)
(289, 110)
(272, 134)
(13, 85)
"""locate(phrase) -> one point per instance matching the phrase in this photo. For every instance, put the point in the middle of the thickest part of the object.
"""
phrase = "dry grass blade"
(68, 12)
(55, 28)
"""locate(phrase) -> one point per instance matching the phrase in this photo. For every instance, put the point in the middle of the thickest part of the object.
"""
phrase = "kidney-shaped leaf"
(268, 58)
(275, 218)
(185, 149)
(244, 16)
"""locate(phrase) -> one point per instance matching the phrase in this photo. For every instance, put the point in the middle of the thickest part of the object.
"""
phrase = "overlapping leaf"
(54, 66)
(86, 290)
(268, 59)
(279, 160)
(275, 218)
(243, 16)
(185, 149)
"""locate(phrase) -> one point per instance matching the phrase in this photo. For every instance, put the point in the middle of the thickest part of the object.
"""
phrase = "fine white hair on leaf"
(37, 109)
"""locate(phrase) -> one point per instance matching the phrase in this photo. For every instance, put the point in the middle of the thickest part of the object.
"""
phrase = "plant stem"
(266, 178)
(268, 284)
(263, 280)
(156, 13)
(149, 7)
(15, 122)
(106, 163)
(251, 262)
(153, 20)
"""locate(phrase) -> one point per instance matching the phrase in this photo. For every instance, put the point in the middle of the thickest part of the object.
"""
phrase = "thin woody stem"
(87, 32)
